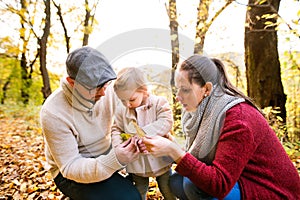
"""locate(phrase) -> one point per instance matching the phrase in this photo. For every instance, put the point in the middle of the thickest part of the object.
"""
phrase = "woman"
(231, 151)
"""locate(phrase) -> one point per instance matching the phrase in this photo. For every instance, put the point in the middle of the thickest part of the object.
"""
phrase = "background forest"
(258, 40)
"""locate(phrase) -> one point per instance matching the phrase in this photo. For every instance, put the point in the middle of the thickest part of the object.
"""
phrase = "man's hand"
(127, 151)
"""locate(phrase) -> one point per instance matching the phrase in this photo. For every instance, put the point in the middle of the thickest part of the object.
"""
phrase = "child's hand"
(141, 146)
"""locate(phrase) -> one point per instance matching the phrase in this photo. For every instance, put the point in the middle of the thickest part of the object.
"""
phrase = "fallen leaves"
(22, 162)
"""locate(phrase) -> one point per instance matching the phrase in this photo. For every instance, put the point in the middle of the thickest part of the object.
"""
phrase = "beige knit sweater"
(78, 135)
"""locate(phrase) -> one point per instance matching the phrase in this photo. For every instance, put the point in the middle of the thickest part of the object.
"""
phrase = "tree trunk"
(88, 21)
(25, 76)
(201, 25)
(172, 11)
(86, 32)
(261, 56)
(5, 88)
(46, 89)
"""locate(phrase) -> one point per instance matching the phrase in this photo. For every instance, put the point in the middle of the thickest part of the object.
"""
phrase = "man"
(76, 122)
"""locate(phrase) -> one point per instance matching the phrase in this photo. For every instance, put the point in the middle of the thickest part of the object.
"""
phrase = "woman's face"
(189, 95)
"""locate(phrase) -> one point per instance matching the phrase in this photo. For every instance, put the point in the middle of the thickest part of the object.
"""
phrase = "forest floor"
(22, 160)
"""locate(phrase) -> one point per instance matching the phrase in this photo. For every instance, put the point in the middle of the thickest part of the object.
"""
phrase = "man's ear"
(208, 88)
(70, 81)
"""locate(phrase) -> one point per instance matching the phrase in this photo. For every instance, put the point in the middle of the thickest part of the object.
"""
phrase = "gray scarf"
(203, 127)
(75, 99)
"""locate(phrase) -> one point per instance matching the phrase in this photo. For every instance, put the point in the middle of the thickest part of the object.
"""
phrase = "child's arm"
(120, 129)
(164, 118)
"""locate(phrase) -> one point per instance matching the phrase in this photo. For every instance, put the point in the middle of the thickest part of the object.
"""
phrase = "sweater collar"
(147, 105)
(131, 113)
(75, 99)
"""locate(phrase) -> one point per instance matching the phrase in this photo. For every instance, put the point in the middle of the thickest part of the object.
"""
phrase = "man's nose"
(102, 91)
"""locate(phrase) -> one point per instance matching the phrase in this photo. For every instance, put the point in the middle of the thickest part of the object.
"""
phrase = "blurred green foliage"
(10, 77)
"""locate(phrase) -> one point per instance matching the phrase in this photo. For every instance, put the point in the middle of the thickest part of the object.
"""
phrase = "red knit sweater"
(249, 152)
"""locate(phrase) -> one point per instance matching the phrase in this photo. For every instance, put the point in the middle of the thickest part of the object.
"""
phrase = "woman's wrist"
(176, 152)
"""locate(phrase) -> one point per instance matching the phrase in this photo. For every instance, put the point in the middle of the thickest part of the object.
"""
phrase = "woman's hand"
(161, 146)
(143, 148)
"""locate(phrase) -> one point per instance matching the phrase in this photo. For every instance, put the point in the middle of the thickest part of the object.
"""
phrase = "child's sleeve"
(164, 118)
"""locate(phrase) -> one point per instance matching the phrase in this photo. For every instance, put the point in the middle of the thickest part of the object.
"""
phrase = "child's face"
(133, 101)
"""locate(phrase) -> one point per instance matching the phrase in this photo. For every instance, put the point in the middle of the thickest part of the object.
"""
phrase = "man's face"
(91, 94)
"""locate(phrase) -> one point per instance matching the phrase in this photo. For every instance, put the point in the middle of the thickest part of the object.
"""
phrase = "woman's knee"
(176, 186)
(175, 182)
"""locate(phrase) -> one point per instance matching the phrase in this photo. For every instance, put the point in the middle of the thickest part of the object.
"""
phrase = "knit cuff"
(111, 160)
(186, 164)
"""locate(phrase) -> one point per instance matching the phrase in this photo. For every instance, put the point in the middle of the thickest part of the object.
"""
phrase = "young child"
(154, 116)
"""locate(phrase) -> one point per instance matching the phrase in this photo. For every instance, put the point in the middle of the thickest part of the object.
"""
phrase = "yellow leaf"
(32, 189)
(139, 131)
(23, 187)
(51, 196)
(125, 136)
(53, 188)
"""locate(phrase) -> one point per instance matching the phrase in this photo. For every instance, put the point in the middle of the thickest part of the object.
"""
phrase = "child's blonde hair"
(130, 79)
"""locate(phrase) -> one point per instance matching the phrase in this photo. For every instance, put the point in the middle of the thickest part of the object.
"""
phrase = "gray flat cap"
(89, 67)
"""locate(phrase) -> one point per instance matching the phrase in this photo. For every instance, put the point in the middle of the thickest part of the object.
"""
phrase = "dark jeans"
(184, 189)
(114, 188)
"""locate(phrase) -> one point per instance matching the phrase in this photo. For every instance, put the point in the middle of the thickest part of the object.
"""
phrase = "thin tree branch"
(219, 12)
(17, 12)
(67, 37)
